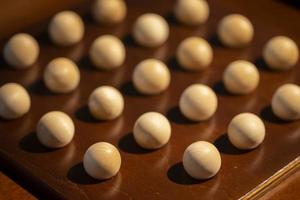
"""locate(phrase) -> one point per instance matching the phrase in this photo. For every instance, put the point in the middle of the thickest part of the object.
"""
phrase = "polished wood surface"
(19, 14)
(287, 189)
(154, 174)
(11, 190)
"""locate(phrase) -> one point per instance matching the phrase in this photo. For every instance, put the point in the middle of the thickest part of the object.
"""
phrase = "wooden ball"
(14, 101)
(107, 52)
(191, 12)
(198, 102)
(151, 77)
(106, 103)
(235, 31)
(109, 11)
(150, 30)
(21, 51)
(194, 53)
(55, 129)
(286, 102)
(102, 160)
(66, 28)
(201, 160)
(246, 131)
(61, 75)
(152, 130)
(281, 53)
(241, 77)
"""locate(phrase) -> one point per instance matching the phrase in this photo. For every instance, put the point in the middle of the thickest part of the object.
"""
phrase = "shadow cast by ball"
(128, 40)
(214, 41)
(86, 64)
(220, 89)
(268, 116)
(173, 64)
(224, 146)
(88, 19)
(83, 114)
(261, 65)
(128, 89)
(5, 65)
(44, 38)
(30, 143)
(293, 3)
(77, 175)
(177, 174)
(171, 19)
(129, 145)
(174, 115)
(39, 88)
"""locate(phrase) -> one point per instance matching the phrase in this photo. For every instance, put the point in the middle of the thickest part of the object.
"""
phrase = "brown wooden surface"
(155, 174)
(19, 14)
(12, 190)
(288, 189)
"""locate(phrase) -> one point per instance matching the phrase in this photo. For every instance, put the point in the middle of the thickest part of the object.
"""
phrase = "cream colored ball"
(21, 51)
(194, 53)
(201, 160)
(246, 131)
(107, 52)
(61, 75)
(14, 101)
(55, 129)
(109, 11)
(66, 28)
(106, 103)
(198, 102)
(151, 77)
(241, 77)
(191, 12)
(235, 30)
(150, 30)
(286, 102)
(281, 53)
(102, 161)
(152, 130)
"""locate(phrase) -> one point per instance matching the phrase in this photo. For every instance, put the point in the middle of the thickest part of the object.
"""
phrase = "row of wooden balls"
(152, 76)
(151, 30)
(152, 130)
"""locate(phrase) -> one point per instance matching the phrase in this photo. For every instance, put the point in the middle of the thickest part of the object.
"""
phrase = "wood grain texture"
(154, 174)
(288, 189)
(10, 190)
(17, 15)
